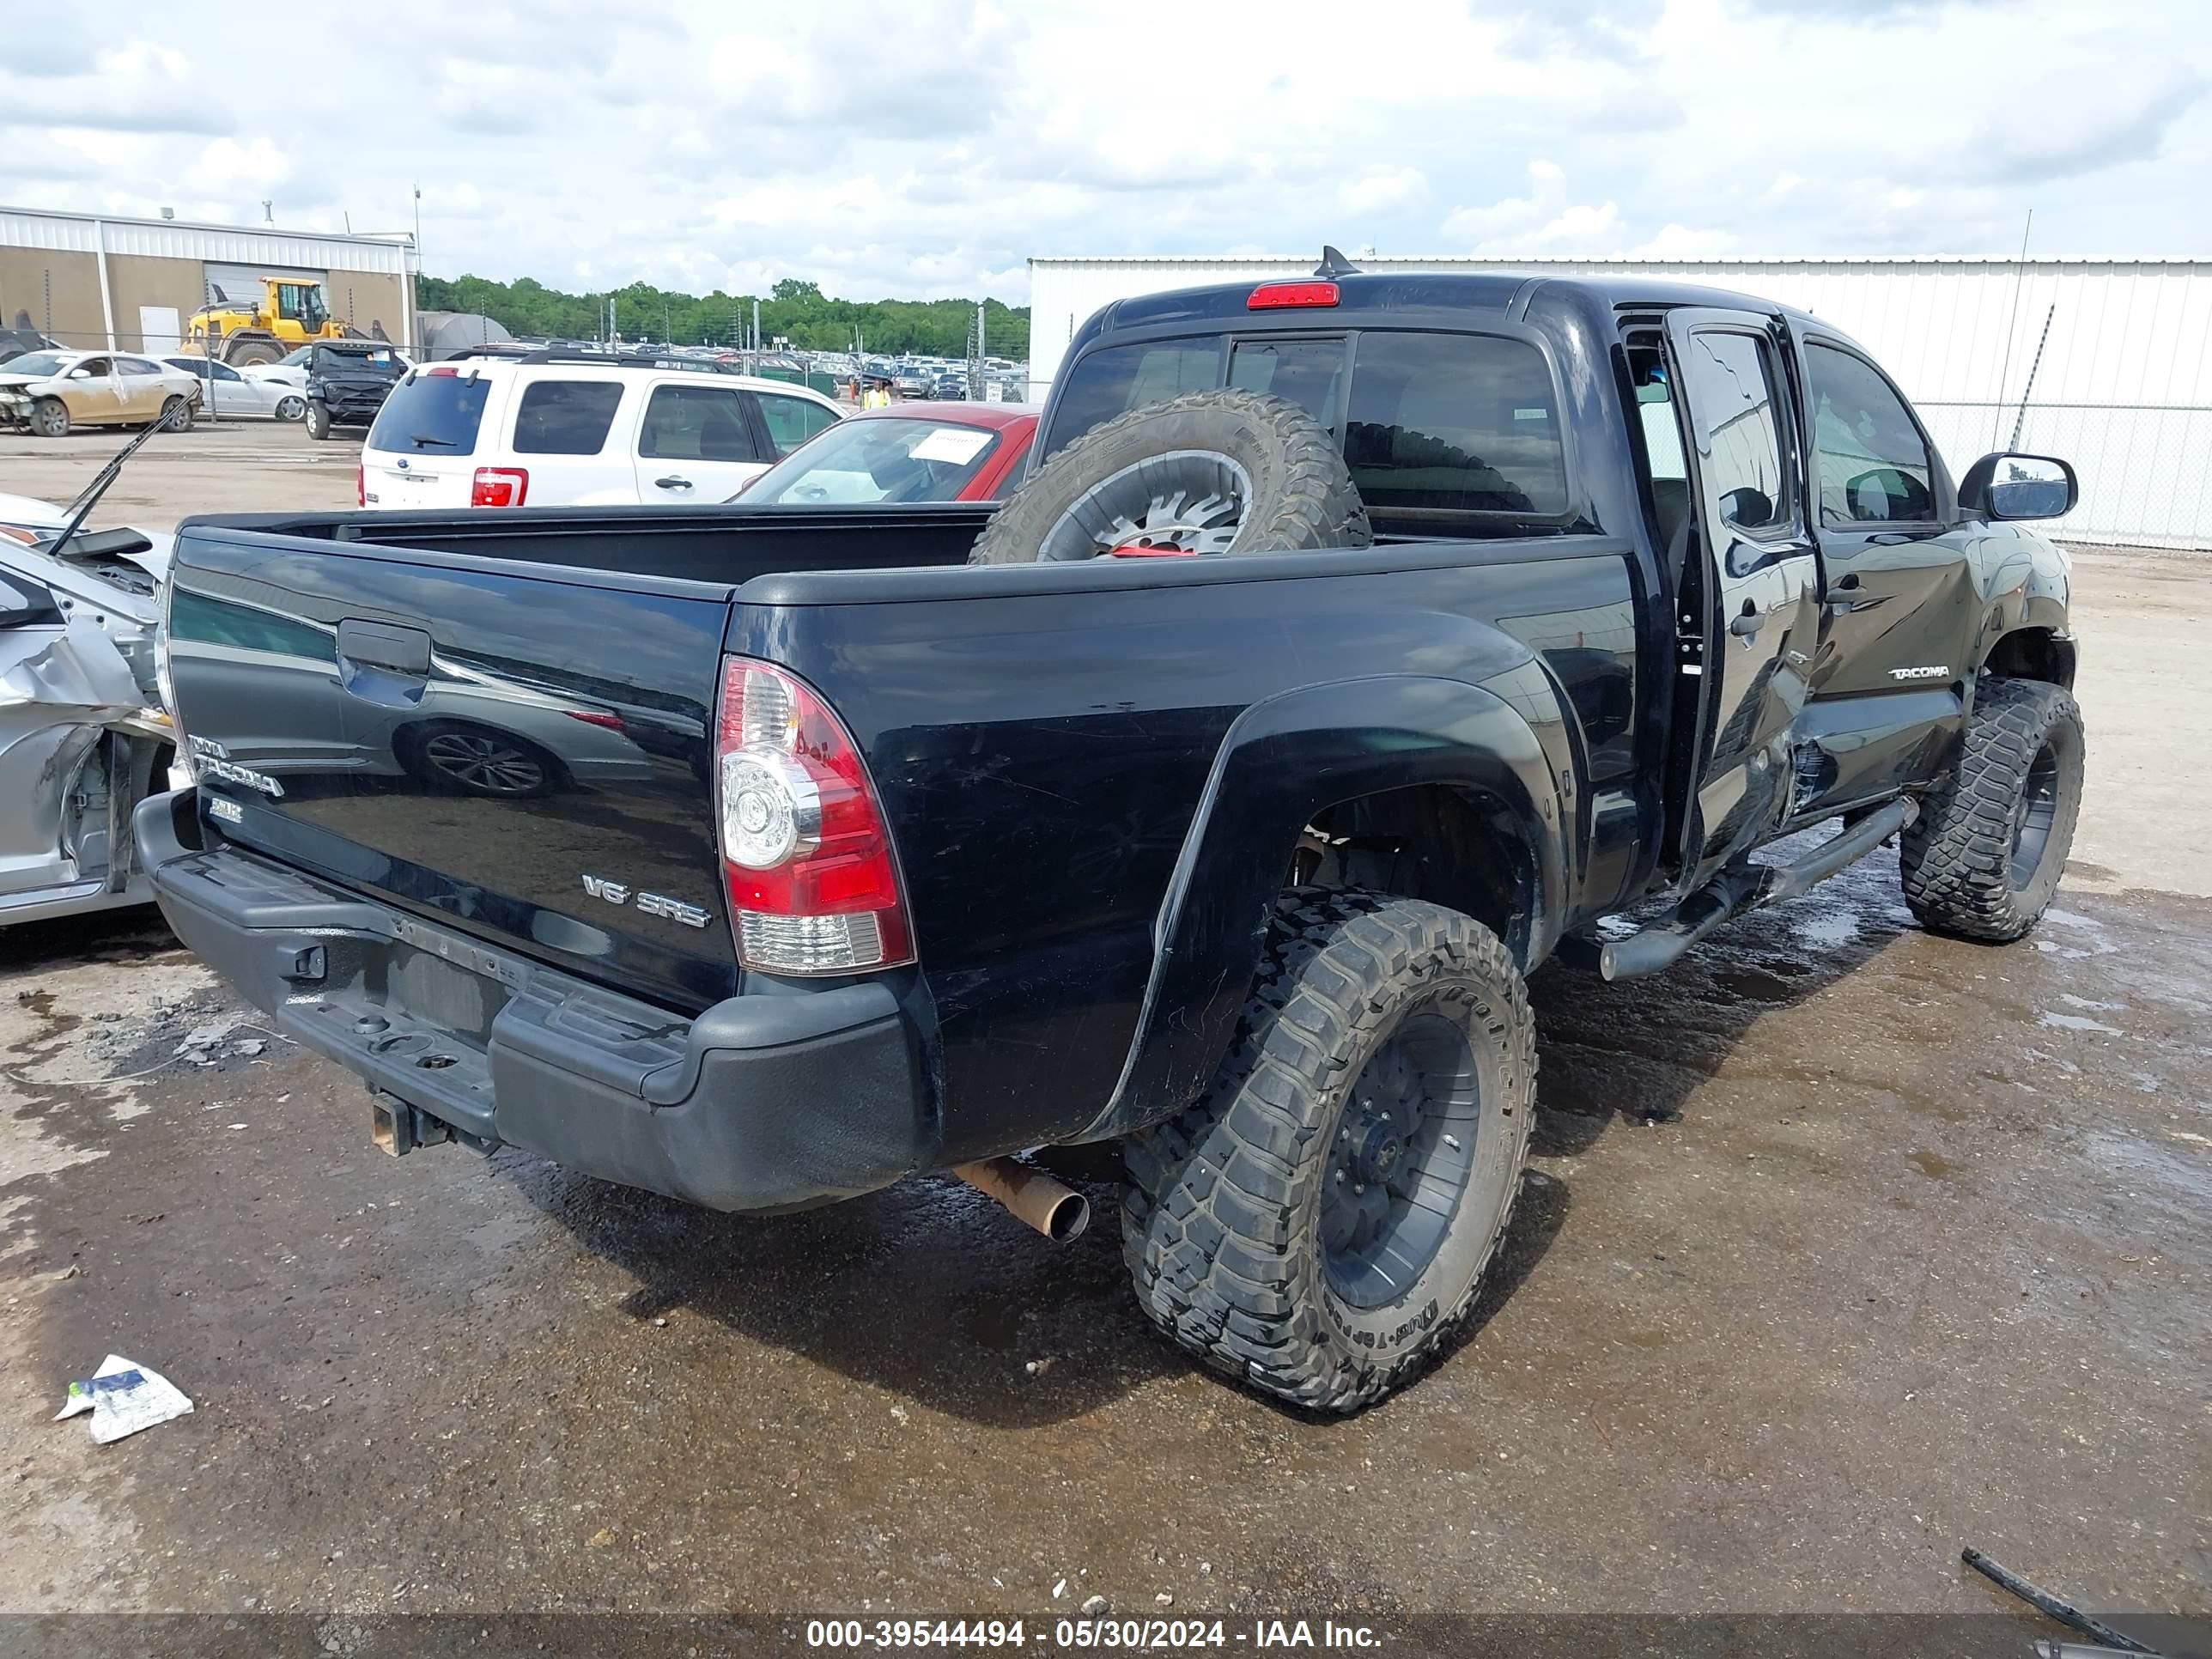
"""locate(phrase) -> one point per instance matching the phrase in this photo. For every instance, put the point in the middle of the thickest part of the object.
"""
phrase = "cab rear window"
(1454, 423)
(1429, 422)
(433, 412)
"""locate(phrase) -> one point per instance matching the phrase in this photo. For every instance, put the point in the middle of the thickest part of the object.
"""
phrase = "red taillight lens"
(1277, 296)
(598, 717)
(360, 486)
(499, 486)
(805, 855)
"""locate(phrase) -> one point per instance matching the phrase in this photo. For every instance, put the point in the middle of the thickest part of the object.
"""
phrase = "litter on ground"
(123, 1397)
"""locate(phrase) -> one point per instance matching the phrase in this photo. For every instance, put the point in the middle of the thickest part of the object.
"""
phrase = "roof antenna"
(1333, 264)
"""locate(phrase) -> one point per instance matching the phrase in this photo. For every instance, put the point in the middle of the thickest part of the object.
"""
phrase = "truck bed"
(1043, 736)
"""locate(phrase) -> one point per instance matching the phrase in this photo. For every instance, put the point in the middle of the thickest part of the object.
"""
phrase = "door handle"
(672, 481)
(1746, 624)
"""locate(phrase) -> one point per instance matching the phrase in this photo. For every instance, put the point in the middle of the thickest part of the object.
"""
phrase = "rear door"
(228, 391)
(1761, 618)
(142, 387)
(695, 443)
(567, 435)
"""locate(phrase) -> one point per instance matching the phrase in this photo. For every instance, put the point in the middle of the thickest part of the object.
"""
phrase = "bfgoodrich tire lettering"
(1300, 493)
(1223, 1224)
(1985, 857)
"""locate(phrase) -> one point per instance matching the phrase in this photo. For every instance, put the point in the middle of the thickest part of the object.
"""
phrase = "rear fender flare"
(1284, 761)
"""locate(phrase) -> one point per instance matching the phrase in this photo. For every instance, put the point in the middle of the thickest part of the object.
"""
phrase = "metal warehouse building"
(129, 284)
(2107, 362)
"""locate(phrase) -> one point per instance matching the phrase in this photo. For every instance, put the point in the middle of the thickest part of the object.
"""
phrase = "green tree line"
(795, 311)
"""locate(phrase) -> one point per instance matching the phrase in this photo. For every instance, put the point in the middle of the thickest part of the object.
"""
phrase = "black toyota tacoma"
(1357, 645)
(348, 381)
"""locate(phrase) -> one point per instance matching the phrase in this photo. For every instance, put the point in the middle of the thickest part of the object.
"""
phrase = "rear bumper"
(761, 1101)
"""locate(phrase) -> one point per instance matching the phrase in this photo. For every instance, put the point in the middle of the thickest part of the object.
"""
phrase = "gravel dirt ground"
(1845, 1246)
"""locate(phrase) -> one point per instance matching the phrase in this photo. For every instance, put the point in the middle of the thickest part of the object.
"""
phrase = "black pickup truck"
(1360, 644)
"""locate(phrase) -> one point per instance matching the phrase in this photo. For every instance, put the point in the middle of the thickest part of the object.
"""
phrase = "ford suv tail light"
(499, 486)
(806, 856)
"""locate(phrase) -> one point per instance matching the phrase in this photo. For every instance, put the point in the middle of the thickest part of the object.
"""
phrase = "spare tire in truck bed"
(1224, 471)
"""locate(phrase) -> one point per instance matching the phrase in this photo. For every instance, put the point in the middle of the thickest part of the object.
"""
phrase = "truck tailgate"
(519, 750)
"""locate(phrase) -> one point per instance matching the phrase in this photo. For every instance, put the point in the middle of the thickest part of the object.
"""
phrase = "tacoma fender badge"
(1933, 672)
(652, 904)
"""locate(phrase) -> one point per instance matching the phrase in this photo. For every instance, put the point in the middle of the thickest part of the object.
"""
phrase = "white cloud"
(932, 147)
(1680, 242)
(1383, 192)
(257, 162)
(1580, 229)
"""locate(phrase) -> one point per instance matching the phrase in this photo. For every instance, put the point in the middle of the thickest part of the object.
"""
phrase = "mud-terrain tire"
(1295, 491)
(1228, 1223)
(1985, 857)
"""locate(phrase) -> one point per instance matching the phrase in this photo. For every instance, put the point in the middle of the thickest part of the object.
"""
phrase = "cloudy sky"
(930, 147)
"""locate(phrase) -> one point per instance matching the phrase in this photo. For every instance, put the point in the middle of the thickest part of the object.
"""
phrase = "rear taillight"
(1279, 296)
(499, 486)
(360, 486)
(805, 855)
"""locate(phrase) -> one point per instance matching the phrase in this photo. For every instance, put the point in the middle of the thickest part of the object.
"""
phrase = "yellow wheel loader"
(290, 314)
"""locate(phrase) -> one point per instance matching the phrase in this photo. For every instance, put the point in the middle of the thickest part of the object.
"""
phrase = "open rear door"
(1759, 573)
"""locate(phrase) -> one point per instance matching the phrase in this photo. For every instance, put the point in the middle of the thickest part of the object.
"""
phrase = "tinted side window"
(1462, 421)
(1730, 381)
(98, 368)
(1873, 466)
(1107, 383)
(565, 417)
(792, 421)
(136, 365)
(695, 423)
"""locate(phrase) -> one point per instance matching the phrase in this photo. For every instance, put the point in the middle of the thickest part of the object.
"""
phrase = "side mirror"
(80, 374)
(2010, 487)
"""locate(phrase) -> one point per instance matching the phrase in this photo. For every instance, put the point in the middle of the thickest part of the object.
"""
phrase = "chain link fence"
(2146, 469)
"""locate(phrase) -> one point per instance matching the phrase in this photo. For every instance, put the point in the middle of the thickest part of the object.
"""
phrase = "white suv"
(571, 429)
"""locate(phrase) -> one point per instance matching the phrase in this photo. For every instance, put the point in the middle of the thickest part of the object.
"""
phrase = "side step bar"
(1738, 888)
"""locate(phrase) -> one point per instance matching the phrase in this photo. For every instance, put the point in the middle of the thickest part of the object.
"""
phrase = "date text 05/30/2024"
(1140, 1634)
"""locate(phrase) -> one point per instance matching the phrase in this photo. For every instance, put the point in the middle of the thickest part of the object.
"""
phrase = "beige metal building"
(85, 280)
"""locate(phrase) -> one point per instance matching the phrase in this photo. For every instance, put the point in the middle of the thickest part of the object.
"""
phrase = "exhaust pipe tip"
(1067, 1219)
(1030, 1196)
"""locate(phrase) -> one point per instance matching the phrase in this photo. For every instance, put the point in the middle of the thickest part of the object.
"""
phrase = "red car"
(925, 452)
